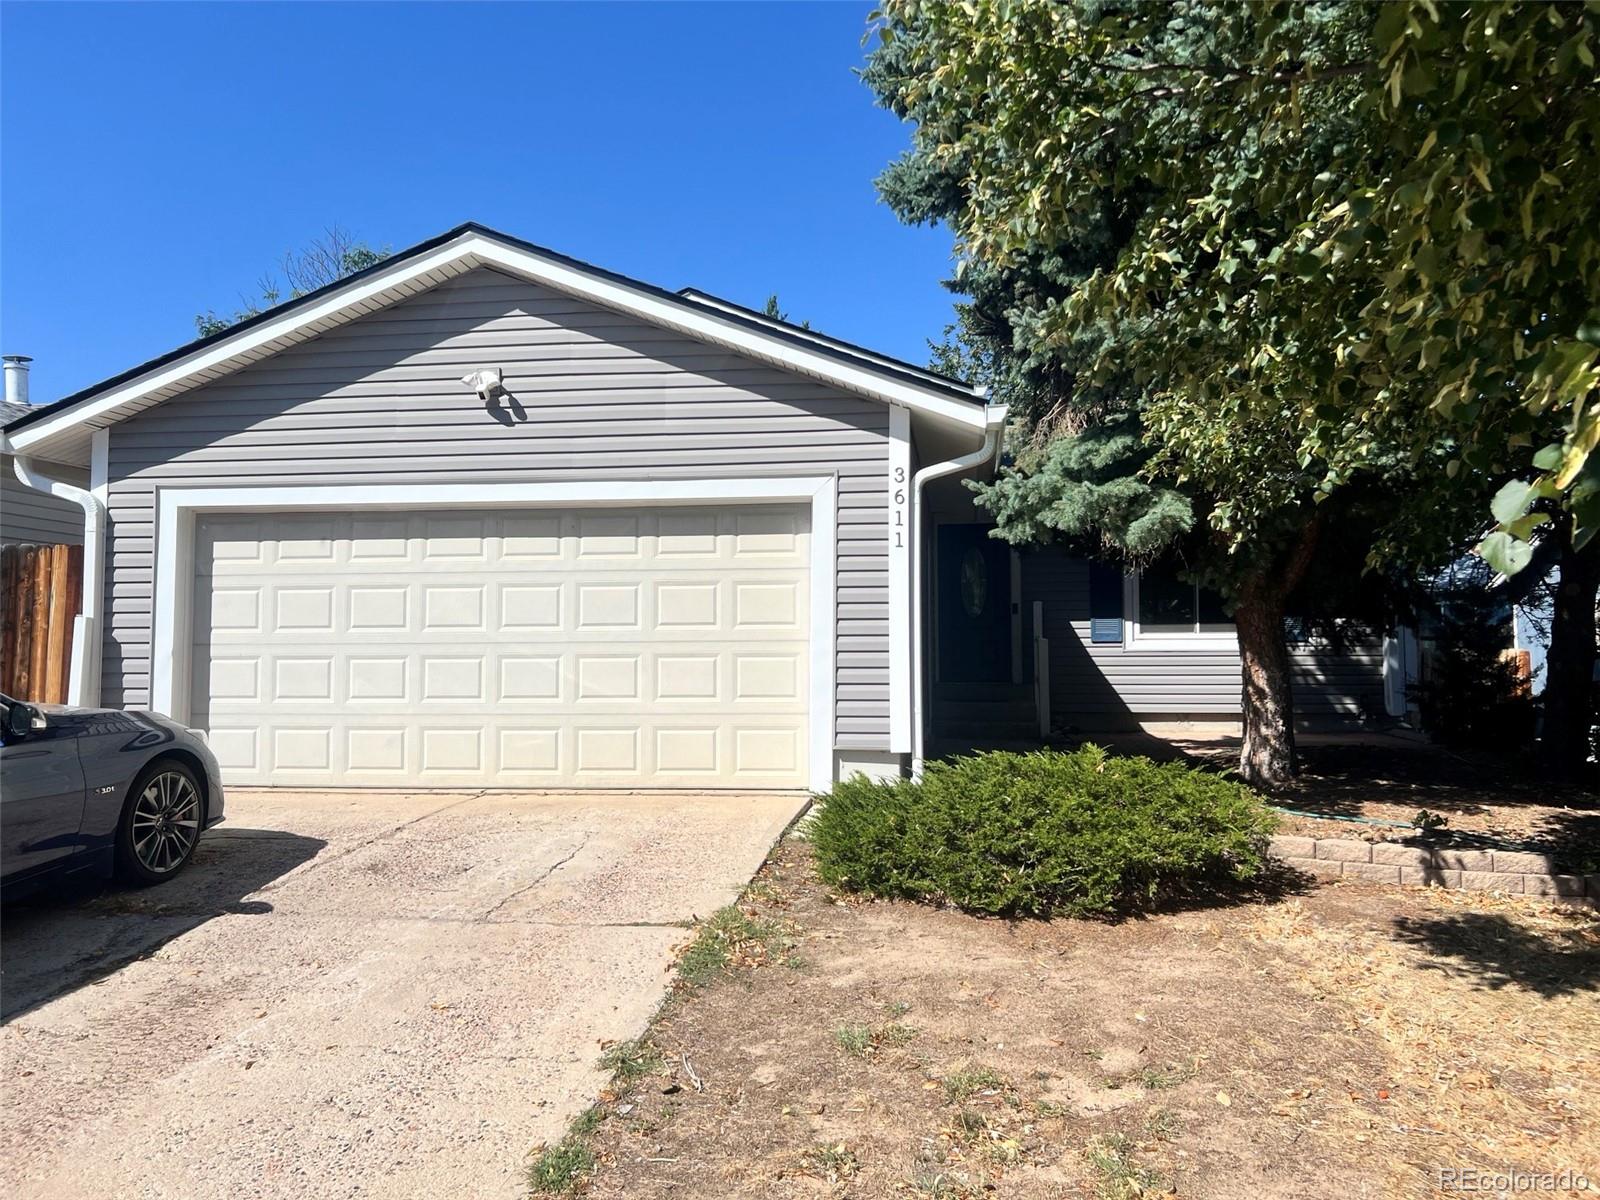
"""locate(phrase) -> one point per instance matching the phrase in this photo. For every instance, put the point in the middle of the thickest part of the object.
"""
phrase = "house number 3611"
(899, 507)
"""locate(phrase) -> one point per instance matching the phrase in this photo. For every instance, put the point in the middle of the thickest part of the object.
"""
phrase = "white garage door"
(509, 648)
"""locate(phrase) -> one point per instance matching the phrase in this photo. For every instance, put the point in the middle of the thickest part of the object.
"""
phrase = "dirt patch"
(1352, 1040)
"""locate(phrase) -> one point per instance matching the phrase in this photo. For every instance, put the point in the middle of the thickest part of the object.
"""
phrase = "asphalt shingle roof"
(10, 411)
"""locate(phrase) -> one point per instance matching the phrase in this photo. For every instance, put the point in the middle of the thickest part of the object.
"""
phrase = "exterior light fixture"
(486, 381)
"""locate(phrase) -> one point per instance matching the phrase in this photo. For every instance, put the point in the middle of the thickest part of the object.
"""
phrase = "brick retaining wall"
(1514, 871)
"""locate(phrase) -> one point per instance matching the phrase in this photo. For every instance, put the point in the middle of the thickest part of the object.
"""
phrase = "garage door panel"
(382, 610)
(708, 682)
(766, 604)
(608, 607)
(377, 749)
(705, 677)
(374, 542)
(232, 610)
(529, 607)
(595, 648)
(601, 751)
(530, 678)
(596, 751)
(238, 748)
(380, 542)
(689, 607)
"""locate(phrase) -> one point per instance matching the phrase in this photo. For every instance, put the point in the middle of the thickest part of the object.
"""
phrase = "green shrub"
(1042, 834)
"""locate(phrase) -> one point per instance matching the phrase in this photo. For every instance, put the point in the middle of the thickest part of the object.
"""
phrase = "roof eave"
(65, 426)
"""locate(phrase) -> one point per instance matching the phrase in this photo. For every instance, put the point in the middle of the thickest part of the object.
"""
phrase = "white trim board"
(100, 464)
(474, 249)
(899, 518)
(174, 570)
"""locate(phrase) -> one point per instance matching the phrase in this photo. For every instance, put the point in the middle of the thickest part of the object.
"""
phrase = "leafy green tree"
(1259, 235)
(1086, 385)
(1490, 234)
(1480, 216)
(326, 260)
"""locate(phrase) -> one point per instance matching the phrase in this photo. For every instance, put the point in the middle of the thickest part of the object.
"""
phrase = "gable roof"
(63, 430)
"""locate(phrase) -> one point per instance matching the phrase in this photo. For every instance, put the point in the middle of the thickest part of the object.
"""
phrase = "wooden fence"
(41, 588)
(1521, 663)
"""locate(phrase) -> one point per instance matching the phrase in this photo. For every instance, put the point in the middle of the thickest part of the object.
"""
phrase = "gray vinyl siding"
(27, 515)
(598, 396)
(1100, 684)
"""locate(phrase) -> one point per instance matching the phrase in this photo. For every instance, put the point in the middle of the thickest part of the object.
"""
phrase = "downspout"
(994, 437)
(83, 685)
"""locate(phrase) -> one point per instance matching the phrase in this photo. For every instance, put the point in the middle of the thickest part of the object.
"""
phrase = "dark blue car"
(100, 790)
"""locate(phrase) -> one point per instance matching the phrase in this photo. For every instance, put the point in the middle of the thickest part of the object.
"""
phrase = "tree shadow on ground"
(1340, 778)
(1385, 779)
(1495, 952)
(1340, 772)
(1572, 838)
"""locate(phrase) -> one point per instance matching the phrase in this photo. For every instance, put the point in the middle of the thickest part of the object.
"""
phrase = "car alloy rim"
(166, 821)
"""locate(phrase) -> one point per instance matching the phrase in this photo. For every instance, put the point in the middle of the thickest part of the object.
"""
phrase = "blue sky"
(155, 159)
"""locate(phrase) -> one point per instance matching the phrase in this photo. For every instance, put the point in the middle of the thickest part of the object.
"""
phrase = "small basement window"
(1171, 613)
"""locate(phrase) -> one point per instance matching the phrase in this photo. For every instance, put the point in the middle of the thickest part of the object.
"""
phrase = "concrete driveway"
(354, 994)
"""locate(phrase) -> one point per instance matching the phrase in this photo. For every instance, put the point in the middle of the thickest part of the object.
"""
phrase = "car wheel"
(160, 823)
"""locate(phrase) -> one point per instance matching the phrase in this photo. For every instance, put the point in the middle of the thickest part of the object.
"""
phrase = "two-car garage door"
(511, 648)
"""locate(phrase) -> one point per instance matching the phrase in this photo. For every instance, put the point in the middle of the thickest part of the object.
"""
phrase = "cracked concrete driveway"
(353, 994)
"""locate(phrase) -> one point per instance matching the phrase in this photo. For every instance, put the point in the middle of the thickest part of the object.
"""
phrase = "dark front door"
(974, 603)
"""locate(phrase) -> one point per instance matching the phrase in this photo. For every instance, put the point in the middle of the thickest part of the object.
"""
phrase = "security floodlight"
(486, 381)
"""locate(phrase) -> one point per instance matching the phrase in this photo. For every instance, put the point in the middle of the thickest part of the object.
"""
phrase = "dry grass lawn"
(1348, 1040)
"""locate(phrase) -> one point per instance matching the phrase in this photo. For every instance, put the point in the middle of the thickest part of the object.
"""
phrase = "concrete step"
(983, 711)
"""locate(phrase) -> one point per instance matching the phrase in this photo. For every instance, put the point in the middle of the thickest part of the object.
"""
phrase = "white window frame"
(1133, 637)
(175, 579)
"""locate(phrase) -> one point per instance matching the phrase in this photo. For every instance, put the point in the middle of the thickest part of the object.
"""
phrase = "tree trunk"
(1569, 669)
(1267, 757)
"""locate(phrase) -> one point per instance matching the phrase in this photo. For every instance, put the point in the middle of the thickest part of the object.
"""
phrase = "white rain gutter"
(994, 438)
(83, 685)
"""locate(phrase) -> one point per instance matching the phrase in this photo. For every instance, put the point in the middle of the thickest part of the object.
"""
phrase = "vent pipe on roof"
(17, 378)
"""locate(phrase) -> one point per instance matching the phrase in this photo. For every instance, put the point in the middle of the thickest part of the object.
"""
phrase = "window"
(1174, 613)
